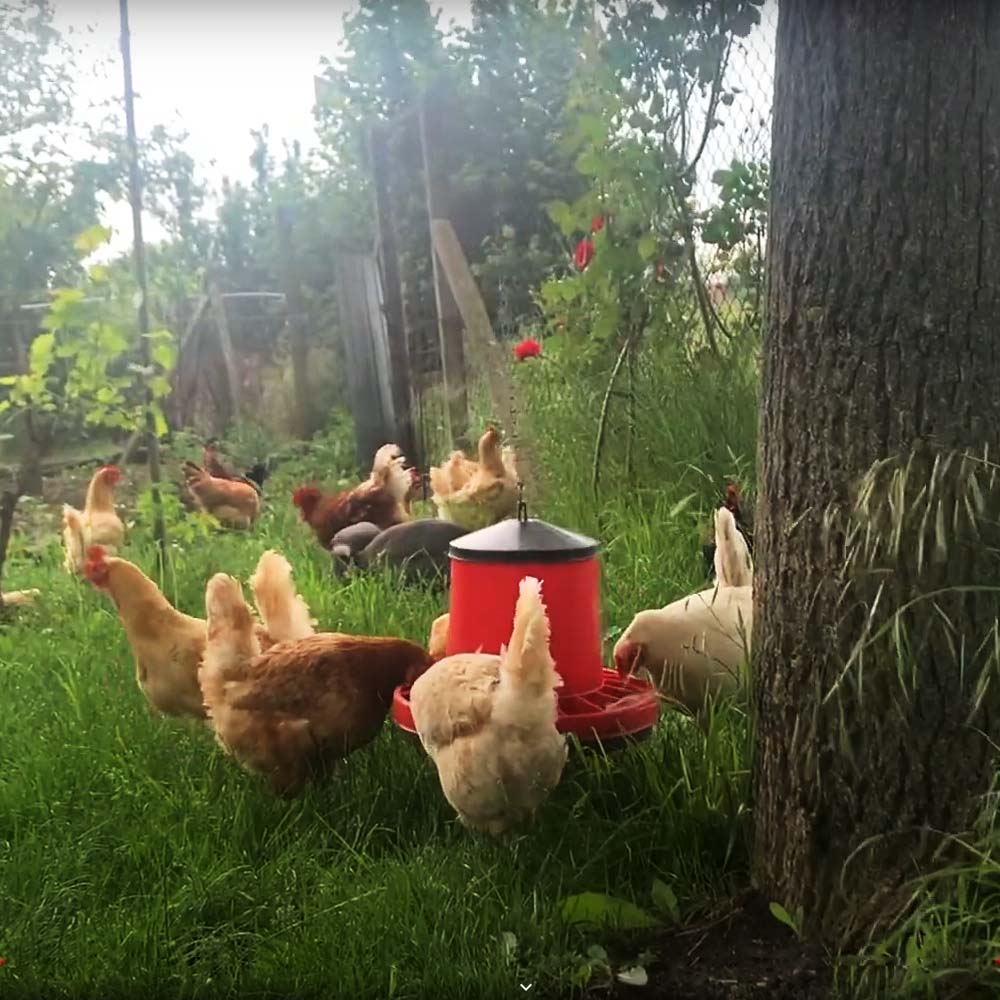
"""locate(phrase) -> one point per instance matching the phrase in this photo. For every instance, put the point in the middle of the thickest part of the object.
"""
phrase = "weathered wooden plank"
(433, 138)
(226, 347)
(484, 350)
(392, 300)
(372, 423)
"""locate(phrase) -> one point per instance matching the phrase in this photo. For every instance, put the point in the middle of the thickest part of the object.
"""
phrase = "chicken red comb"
(111, 472)
(304, 495)
(95, 569)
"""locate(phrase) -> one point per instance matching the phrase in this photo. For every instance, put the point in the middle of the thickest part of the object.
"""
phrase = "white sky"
(219, 68)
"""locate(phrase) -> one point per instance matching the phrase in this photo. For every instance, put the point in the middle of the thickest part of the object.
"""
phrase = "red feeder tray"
(486, 568)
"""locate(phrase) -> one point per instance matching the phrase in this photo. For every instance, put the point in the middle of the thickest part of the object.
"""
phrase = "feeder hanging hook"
(522, 507)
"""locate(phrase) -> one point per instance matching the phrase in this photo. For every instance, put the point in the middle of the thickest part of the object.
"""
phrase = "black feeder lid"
(529, 540)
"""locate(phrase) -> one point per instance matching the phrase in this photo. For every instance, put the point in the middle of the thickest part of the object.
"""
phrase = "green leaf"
(509, 942)
(159, 386)
(593, 127)
(595, 909)
(90, 239)
(41, 353)
(589, 164)
(744, 21)
(783, 916)
(562, 215)
(647, 246)
(635, 976)
(164, 354)
(160, 426)
(664, 898)
(607, 323)
(99, 274)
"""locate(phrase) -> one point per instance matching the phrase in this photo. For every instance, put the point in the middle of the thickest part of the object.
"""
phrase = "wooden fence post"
(295, 311)
(226, 347)
(387, 256)
(432, 139)
(486, 353)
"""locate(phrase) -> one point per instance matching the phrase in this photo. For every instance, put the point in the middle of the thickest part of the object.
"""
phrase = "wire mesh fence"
(722, 288)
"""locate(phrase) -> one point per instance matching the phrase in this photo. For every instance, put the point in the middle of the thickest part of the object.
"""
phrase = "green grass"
(136, 859)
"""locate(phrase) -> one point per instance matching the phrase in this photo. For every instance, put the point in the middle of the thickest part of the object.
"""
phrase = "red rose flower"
(598, 224)
(528, 348)
(584, 254)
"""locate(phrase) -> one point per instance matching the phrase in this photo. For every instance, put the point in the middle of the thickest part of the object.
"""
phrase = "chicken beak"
(627, 657)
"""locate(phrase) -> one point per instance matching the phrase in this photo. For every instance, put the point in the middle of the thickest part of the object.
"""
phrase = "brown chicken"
(168, 645)
(472, 494)
(215, 465)
(295, 709)
(234, 503)
(379, 499)
(489, 722)
(97, 523)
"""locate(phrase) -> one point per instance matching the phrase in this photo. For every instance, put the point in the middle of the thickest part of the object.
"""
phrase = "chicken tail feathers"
(193, 473)
(388, 471)
(490, 454)
(527, 671)
(733, 564)
(384, 458)
(284, 613)
(232, 640)
(74, 539)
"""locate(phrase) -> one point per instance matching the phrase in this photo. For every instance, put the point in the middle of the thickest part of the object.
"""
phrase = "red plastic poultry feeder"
(486, 567)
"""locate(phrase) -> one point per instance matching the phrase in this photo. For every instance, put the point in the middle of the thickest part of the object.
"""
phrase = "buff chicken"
(381, 499)
(97, 523)
(437, 642)
(472, 494)
(695, 647)
(489, 723)
(292, 711)
(168, 645)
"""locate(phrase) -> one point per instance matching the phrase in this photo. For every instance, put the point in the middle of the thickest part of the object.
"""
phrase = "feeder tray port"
(595, 704)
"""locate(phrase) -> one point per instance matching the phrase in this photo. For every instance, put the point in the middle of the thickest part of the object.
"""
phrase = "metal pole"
(139, 255)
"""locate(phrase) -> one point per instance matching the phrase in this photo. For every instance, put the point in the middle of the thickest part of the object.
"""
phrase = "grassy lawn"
(137, 860)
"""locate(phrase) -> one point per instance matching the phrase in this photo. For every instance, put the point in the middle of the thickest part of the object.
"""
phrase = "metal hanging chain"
(505, 325)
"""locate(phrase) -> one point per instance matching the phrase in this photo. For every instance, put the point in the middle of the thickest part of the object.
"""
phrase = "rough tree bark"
(883, 327)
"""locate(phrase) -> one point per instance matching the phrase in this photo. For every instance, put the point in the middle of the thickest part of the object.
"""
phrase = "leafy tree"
(518, 61)
(84, 368)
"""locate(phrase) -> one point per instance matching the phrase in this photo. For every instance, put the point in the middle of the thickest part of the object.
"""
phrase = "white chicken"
(695, 647)
(489, 723)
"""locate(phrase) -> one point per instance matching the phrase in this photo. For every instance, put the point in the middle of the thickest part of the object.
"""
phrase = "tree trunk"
(882, 341)
(36, 442)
